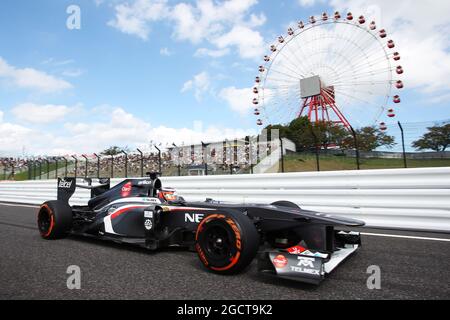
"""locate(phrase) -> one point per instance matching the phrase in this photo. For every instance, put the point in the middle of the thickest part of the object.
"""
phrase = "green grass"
(21, 176)
(307, 162)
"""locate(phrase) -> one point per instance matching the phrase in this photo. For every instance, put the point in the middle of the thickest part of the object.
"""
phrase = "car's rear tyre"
(227, 243)
(54, 220)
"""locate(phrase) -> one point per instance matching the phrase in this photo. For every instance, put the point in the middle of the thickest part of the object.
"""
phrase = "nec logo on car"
(65, 184)
(193, 217)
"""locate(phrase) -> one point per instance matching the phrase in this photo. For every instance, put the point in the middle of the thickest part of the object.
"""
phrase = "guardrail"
(416, 199)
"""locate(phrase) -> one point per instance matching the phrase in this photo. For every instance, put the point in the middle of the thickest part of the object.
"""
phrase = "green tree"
(307, 135)
(283, 131)
(369, 139)
(112, 151)
(299, 132)
(437, 138)
(330, 134)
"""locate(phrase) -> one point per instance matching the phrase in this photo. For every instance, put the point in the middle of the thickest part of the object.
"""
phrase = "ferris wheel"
(334, 69)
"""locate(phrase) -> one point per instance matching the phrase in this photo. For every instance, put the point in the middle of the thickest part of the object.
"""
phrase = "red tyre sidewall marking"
(237, 234)
(234, 260)
(52, 220)
(200, 252)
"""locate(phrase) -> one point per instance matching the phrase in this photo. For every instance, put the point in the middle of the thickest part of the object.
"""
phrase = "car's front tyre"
(227, 243)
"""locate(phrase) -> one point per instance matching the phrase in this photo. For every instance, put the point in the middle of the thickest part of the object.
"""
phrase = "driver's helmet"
(167, 194)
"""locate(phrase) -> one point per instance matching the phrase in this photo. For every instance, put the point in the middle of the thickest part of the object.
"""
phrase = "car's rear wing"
(67, 187)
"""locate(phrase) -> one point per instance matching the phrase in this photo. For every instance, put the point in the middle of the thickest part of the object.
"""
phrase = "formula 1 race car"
(289, 242)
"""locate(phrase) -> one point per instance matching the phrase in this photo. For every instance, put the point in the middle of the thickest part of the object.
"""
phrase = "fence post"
(112, 167)
(205, 157)
(76, 166)
(48, 168)
(86, 165)
(65, 166)
(30, 173)
(355, 139)
(40, 169)
(126, 163)
(34, 169)
(250, 155)
(159, 159)
(56, 163)
(142, 162)
(316, 148)
(179, 165)
(98, 165)
(403, 144)
(282, 155)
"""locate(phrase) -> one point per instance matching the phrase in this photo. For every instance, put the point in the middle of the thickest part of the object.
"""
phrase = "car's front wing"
(309, 268)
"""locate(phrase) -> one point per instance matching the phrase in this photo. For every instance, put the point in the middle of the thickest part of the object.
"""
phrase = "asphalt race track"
(33, 268)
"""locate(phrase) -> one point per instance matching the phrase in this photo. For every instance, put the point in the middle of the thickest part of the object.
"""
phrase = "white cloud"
(218, 23)
(31, 78)
(134, 18)
(57, 63)
(98, 2)
(1, 116)
(204, 20)
(204, 52)
(200, 84)
(239, 100)
(116, 127)
(13, 137)
(421, 35)
(40, 114)
(250, 43)
(165, 52)
(309, 3)
(73, 73)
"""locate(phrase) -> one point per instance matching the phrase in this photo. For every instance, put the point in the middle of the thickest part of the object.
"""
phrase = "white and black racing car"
(288, 242)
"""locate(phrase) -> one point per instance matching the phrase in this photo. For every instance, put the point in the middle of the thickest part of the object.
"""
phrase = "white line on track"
(19, 205)
(404, 237)
(362, 233)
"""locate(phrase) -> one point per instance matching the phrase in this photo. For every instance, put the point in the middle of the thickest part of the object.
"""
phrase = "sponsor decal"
(306, 265)
(315, 254)
(126, 190)
(299, 250)
(148, 214)
(193, 217)
(65, 184)
(306, 262)
(296, 250)
(305, 270)
(280, 262)
(144, 183)
(148, 224)
(152, 200)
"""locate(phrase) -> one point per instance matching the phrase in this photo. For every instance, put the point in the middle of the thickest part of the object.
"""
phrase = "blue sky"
(144, 70)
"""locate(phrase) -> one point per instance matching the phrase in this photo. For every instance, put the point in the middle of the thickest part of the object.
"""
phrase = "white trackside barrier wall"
(416, 199)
